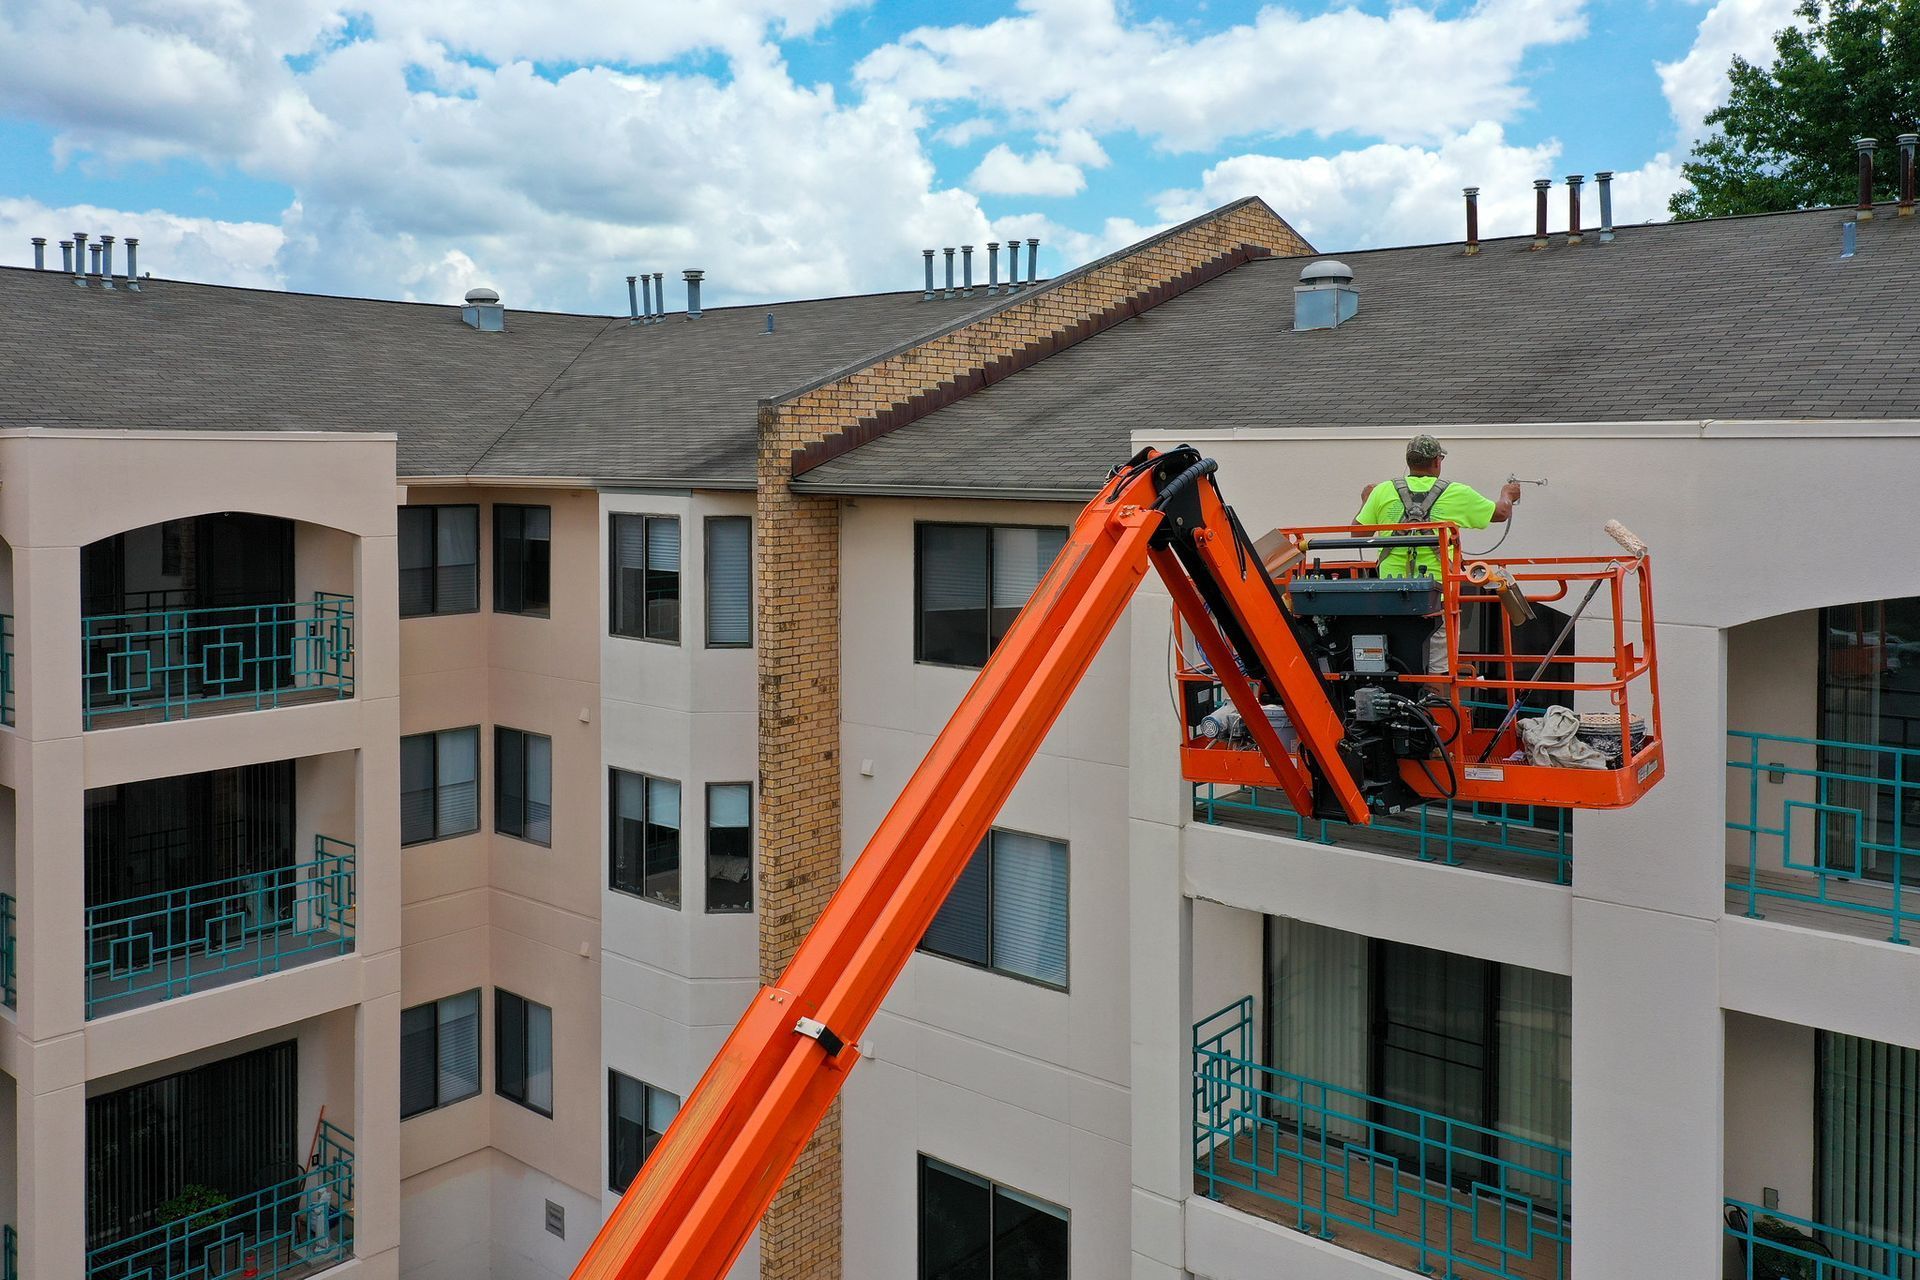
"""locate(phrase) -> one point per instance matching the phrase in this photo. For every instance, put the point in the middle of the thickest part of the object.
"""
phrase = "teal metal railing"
(9, 1253)
(9, 953)
(1841, 817)
(1773, 1244)
(1464, 1200)
(290, 1228)
(175, 663)
(6, 668)
(163, 945)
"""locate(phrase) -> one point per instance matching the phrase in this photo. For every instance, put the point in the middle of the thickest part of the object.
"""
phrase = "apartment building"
(473, 709)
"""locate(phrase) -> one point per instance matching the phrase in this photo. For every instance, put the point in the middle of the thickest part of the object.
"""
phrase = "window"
(729, 582)
(643, 844)
(439, 1053)
(1866, 1146)
(1869, 707)
(1008, 911)
(729, 846)
(439, 785)
(439, 560)
(523, 785)
(523, 1051)
(975, 1229)
(637, 1118)
(646, 578)
(971, 581)
(522, 558)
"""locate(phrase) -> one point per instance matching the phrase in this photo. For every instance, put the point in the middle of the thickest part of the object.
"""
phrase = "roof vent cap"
(484, 312)
(1325, 297)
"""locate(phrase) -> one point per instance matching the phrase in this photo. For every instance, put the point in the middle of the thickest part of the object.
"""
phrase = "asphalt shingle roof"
(1754, 318)
(555, 395)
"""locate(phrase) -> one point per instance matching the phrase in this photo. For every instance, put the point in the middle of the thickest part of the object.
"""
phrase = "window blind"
(459, 1030)
(416, 561)
(663, 544)
(457, 569)
(539, 789)
(1029, 906)
(1020, 560)
(730, 581)
(417, 1038)
(539, 1057)
(457, 803)
(960, 928)
(1868, 1148)
(416, 788)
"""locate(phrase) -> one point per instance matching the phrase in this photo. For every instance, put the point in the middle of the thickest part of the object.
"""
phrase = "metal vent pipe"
(1473, 219)
(1574, 182)
(1865, 146)
(949, 252)
(928, 255)
(66, 256)
(133, 263)
(966, 271)
(1540, 186)
(693, 279)
(106, 260)
(1908, 142)
(1604, 180)
(39, 253)
(1013, 265)
(1033, 259)
(633, 301)
(80, 258)
(993, 266)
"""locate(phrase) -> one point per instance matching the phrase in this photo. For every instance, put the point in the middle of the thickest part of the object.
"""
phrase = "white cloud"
(242, 253)
(1004, 172)
(1697, 83)
(1387, 194)
(533, 183)
(1405, 75)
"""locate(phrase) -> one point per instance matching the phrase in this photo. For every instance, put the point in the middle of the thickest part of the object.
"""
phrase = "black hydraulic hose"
(1184, 481)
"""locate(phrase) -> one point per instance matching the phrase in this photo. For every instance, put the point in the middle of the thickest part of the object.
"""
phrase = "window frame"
(479, 1054)
(678, 902)
(500, 996)
(436, 508)
(919, 605)
(990, 966)
(545, 608)
(500, 789)
(647, 1092)
(479, 803)
(752, 829)
(613, 579)
(706, 582)
(994, 1187)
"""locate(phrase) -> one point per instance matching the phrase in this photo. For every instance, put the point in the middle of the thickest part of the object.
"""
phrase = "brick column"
(797, 572)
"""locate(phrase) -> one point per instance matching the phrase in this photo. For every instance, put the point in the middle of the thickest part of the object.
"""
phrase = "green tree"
(1784, 140)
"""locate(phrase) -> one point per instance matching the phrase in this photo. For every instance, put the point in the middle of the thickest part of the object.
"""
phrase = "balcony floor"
(1874, 895)
(1298, 1180)
(199, 710)
(208, 971)
(1543, 868)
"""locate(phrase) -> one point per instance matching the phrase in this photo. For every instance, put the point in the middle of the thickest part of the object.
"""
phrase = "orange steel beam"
(696, 1201)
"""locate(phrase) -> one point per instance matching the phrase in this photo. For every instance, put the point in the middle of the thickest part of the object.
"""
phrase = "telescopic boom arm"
(693, 1206)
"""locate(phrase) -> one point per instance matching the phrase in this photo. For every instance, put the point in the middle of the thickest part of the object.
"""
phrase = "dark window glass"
(975, 1229)
(729, 582)
(644, 836)
(637, 1118)
(645, 572)
(1008, 910)
(439, 560)
(729, 846)
(522, 554)
(439, 1053)
(970, 582)
(523, 785)
(1869, 709)
(523, 1051)
(439, 785)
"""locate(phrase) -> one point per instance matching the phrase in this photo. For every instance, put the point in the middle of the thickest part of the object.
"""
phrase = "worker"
(1422, 497)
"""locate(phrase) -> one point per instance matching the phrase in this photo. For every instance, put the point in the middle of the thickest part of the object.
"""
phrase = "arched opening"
(223, 611)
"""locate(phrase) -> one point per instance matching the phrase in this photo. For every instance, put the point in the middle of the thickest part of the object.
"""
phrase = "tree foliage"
(1784, 140)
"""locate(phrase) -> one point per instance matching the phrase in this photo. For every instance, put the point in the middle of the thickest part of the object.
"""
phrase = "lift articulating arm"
(692, 1208)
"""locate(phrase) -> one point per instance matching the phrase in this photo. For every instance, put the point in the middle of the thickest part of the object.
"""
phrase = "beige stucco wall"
(60, 490)
(491, 911)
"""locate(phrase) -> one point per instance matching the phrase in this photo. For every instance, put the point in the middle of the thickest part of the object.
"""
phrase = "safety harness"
(1415, 506)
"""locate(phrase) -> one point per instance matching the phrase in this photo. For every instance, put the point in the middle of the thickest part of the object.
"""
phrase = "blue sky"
(414, 148)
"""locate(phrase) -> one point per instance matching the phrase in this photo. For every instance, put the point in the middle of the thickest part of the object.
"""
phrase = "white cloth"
(1553, 739)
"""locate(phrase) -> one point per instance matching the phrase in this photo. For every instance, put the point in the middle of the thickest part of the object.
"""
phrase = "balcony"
(6, 668)
(288, 1229)
(1382, 1178)
(1819, 833)
(9, 953)
(1526, 841)
(158, 946)
(171, 664)
(1771, 1245)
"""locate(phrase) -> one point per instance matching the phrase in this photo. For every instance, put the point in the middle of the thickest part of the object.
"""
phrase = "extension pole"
(1552, 652)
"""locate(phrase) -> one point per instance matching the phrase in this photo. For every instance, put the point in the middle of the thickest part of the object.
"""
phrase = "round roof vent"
(487, 297)
(1325, 269)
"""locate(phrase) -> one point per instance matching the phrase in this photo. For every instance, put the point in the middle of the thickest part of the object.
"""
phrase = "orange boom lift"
(1364, 731)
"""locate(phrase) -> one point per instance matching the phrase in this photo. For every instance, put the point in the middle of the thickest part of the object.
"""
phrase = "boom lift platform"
(1359, 730)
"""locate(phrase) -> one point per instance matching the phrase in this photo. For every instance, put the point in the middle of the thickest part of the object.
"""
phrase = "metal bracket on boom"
(814, 1029)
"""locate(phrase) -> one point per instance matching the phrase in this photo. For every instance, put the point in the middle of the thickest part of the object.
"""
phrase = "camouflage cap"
(1425, 448)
